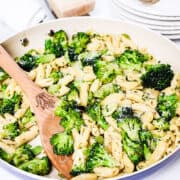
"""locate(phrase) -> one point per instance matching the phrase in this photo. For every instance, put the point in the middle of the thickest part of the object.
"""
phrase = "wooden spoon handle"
(11, 67)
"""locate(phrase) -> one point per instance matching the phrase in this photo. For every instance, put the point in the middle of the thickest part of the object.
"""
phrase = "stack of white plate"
(163, 16)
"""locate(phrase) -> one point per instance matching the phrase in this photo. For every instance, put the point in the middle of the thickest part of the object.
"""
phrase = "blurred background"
(162, 16)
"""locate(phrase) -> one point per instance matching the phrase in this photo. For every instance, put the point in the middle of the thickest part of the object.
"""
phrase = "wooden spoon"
(43, 106)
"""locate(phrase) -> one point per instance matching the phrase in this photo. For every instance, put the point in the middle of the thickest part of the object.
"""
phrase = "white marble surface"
(169, 170)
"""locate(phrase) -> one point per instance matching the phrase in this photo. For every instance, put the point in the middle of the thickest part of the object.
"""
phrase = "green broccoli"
(70, 115)
(57, 44)
(167, 105)
(77, 45)
(95, 112)
(149, 143)
(37, 166)
(22, 154)
(56, 75)
(105, 71)
(98, 156)
(133, 149)
(132, 59)
(45, 58)
(157, 77)
(3, 75)
(10, 131)
(5, 156)
(132, 126)
(28, 61)
(54, 89)
(78, 169)
(28, 117)
(62, 143)
(161, 124)
(89, 58)
(122, 113)
(10, 105)
(106, 89)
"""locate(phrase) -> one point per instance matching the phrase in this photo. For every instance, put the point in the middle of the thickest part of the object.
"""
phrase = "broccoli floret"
(62, 143)
(77, 45)
(10, 105)
(45, 58)
(131, 59)
(95, 112)
(28, 61)
(10, 131)
(132, 126)
(97, 157)
(5, 156)
(76, 170)
(28, 117)
(54, 89)
(161, 124)
(56, 75)
(57, 45)
(158, 77)
(3, 75)
(106, 89)
(105, 71)
(72, 120)
(89, 58)
(73, 95)
(134, 150)
(70, 115)
(37, 166)
(22, 154)
(122, 113)
(149, 143)
(167, 105)
(37, 150)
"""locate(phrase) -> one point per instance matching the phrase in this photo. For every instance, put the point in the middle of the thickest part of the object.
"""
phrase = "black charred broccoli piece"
(37, 166)
(62, 143)
(77, 45)
(157, 77)
(95, 112)
(131, 59)
(57, 44)
(99, 157)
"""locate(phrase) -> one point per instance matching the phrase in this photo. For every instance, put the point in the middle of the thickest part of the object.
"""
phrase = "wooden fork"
(43, 105)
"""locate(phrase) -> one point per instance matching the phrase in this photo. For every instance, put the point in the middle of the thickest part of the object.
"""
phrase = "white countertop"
(169, 170)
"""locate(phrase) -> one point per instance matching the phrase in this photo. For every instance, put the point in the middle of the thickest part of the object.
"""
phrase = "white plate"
(149, 16)
(162, 8)
(146, 20)
(160, 47)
